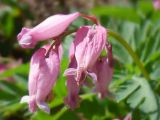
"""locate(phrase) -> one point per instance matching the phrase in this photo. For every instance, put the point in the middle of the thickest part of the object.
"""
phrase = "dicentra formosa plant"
(85, 59)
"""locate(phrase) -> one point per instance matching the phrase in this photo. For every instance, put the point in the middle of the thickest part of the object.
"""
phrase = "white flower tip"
(92, 75)
(26, 40)
(69, 71)
(24, 99)
(43, 106)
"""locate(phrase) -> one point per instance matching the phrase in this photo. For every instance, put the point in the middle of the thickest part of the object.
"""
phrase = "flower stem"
(50, 48)
(91, 18)
(131, 52)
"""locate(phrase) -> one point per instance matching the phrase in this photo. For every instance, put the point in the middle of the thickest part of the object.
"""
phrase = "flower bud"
(51, 27)
(42, 76)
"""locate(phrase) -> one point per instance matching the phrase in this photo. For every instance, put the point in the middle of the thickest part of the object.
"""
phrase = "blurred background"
(135, 20)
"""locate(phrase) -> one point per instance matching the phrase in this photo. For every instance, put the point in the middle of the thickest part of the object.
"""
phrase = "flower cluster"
(85, 60)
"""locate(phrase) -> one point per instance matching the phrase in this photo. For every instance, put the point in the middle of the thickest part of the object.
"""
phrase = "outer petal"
(35, 65)
(81, 45)
(60, 52)
(72, 99)
(42, 77)
(36, 59)
(51, 27)
(43, 106)
(49, 71)
(95, 44)
(89, 43)
(73, 90)
(104, 76)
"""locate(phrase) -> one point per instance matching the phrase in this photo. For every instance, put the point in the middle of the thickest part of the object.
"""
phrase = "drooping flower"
(104, 71)
(72, 98)
(42, 76)
(156, 4)
(51, 27)
(104, 74)
(89, 43)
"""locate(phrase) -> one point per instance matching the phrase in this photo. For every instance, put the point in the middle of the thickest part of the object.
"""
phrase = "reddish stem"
(109, 54)
(91, 18)
(53, 43)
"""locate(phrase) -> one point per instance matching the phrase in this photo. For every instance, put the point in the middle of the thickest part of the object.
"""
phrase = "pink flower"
(42, 76)
(156, 4)
(103, 68)
(51, 27)
(89, 43)
(104, 76)
(72, 98)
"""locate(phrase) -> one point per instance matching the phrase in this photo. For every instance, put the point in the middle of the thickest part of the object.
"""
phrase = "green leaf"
(118, 12)
(22, 69)
(40, 115)
(145, 6)
(139, 94)
(126, 90)
(10, 88)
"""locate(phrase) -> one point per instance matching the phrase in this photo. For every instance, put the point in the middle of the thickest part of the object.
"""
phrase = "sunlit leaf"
(138, 93)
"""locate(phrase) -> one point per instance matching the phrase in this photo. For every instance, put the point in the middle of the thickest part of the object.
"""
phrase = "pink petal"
(73, 90)
(32, 104)
(93, 76)
(72, 98)
(60, 52)
(42, 77)
(70, 71)
(91, 46)
(51, 27)
(36, 59)
(48, 74)
(104, 76)
(88, 45)
(43, 106)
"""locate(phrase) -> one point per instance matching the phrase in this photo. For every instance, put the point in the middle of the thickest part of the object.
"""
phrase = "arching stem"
(131, 52)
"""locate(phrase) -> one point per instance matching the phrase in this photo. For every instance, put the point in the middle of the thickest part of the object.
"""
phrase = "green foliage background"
(137, 22)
